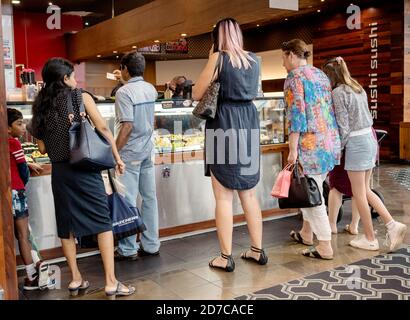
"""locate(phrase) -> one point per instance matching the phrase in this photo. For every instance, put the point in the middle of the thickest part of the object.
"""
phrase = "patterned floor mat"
(382, 277)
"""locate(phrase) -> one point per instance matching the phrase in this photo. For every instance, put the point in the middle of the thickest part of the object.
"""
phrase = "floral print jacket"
(310, 111)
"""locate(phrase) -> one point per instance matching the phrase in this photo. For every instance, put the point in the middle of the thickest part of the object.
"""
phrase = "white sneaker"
(362, 243)
(395, 236)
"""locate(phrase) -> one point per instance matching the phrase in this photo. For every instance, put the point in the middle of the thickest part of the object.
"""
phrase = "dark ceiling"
(100, 9)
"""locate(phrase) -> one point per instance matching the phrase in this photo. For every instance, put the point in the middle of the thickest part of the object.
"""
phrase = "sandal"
(348, 230)
(230, 265)
(111, 295)
(263, 259)
(82, 287)
(313, 253)
(298, 238)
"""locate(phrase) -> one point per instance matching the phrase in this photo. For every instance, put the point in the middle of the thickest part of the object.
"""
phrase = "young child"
(37, 274)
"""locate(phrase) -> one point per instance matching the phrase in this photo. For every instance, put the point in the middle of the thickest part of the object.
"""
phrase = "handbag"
(282, 184)
(303, 192)
(206, 107)
(126, 219)
(89, 149)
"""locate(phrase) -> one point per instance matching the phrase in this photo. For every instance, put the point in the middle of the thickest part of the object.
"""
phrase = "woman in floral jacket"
(313, 138)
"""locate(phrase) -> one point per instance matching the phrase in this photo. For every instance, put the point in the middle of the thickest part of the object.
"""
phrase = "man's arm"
(124, 134)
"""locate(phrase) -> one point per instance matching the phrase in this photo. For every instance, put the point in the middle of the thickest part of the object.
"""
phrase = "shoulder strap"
(71, 107)
(217, 69)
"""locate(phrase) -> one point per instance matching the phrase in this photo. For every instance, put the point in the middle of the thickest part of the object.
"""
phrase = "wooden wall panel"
(8, 273)
(332, 38)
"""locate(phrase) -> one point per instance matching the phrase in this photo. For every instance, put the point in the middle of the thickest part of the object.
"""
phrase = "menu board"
(8, 51)
(406, 61)
(180, 46)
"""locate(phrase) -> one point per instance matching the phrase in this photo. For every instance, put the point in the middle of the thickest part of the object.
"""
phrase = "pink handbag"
(282, 183)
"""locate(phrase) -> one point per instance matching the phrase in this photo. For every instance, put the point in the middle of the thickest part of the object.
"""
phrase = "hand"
(211, 51)
(35, 167)
(117, 74)
(293, 156)
(120, 167)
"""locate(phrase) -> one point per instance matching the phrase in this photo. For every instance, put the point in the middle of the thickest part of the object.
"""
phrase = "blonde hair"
(227, 37)
(338, 73)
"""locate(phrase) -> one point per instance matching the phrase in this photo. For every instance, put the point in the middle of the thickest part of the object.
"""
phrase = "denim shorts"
(361, 152)
(19, 204)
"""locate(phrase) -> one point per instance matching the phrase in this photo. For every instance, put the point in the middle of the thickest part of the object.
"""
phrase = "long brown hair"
(338, 73)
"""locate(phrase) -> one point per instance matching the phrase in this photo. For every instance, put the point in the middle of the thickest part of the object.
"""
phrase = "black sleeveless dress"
(232, 139)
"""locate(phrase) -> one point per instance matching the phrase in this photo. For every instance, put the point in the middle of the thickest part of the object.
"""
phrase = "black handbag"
(89, 149)
(303, 192)
(206, 107)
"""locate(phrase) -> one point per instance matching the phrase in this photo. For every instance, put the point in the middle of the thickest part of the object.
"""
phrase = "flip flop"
(313, 253)
(348, 230)
(298, 238)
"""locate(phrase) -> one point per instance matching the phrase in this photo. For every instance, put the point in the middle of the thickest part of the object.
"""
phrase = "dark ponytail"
(44, 109)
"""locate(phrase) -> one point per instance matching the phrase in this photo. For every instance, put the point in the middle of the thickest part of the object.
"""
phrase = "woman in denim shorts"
(355, 126)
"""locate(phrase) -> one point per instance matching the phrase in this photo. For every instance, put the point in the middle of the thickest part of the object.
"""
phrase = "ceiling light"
(286, 19)
(310, 6)
(214, 26)
(50, 3)
(322, 0)
(87, 23)
(117, 57)
(258, 25)
(134, 47)
(183, 34)
(156, 41)
(98, 56)
(318, 10)
(15, 1)
(115, 51)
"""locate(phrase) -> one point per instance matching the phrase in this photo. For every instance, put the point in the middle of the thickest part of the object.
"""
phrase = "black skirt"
(240, 168)
(80, 201)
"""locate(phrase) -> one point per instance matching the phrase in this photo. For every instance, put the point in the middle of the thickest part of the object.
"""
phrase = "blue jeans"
(140, 178)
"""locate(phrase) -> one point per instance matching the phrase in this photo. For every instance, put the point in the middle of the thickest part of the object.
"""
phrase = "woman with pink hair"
(233, 163)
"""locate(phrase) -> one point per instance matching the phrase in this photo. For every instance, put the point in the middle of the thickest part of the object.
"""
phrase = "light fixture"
(318, 10)
(183, 34)
(322, 0)
(214, 26)
(258, 25)
(134, 47)
(98, 56)
(115, 51)
(286, 19)
(15, 1)
(156, 41)
(310, 6)
(87, 23)
(50, 3)
(117, 57)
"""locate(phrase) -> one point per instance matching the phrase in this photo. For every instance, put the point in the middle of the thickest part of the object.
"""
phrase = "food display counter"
(185, 197)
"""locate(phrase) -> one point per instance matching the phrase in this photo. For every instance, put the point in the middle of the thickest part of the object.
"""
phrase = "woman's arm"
(41, 146)
(342, 116)
(200, 87)
(102, 127)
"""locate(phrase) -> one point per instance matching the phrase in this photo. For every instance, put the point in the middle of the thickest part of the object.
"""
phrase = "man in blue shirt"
(134, 127)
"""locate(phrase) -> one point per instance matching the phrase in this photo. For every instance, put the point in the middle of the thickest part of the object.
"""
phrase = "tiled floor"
(181, 271)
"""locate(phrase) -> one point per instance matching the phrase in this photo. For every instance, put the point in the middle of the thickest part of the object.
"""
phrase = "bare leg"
(354, 224)
(224, 219)
(334, 204)
(22, 235)
(253, 215)
(70, 251)
(375, 201)
(106, 246)
(306, 232)
(357, 180)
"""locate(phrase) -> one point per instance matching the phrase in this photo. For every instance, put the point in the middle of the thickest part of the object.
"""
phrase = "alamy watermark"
(54, 20)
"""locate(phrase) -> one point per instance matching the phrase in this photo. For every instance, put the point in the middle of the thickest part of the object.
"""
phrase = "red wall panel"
(35, 43)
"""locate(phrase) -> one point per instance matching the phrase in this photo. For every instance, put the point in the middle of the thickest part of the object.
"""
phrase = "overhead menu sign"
(286, 5)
